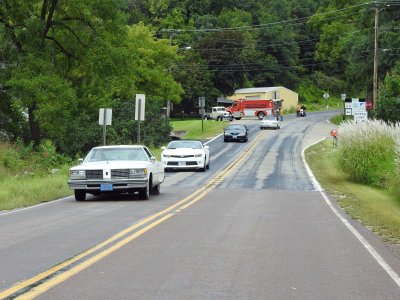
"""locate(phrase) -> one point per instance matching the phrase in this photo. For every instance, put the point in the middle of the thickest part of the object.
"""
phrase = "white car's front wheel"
(80, 195)
(144, 193)
(156, 190)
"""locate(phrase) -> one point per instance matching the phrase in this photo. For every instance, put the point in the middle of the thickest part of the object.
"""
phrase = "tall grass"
(194, 129)
(375, 207)
(369, 152)
(27, 190)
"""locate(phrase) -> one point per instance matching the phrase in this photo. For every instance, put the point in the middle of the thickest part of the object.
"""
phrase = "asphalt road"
(252, 227)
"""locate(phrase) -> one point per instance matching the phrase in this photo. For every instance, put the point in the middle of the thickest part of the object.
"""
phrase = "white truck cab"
(218, 113)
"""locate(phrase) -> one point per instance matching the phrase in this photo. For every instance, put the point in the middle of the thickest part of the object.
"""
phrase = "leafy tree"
(388, 104)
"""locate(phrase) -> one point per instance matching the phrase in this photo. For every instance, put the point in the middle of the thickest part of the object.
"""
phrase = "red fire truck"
(258, 108)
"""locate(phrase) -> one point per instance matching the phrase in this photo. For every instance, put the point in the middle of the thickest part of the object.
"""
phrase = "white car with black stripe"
(186, 154)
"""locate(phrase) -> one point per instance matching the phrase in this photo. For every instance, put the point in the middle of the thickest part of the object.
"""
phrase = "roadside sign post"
(343, 97)
(326, 96)
(139, 112)
(202, 104)
(105, 118)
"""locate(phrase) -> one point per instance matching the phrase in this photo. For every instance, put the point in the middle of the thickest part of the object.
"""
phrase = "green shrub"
(395, 181)
(11, 159)
(47, 157)
(368, 152)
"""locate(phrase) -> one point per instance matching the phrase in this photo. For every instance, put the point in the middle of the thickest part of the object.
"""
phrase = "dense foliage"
(369, 153)
(61, 61)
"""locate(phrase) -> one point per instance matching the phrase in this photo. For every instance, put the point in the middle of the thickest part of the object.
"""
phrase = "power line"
(233, 67)
(264, 46)
(271, 25)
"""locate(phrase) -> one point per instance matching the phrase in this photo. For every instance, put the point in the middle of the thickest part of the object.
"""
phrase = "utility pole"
(169, 69)
(375, 79)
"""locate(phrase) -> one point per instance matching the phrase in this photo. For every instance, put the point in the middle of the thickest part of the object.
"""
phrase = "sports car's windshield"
(109, 154)
(185, 144)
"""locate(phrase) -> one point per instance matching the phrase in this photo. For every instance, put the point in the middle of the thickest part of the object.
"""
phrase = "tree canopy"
(61, 61)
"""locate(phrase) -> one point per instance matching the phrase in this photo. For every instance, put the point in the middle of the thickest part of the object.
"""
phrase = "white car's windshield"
(185, 144)
(109, 154)
(269, 117)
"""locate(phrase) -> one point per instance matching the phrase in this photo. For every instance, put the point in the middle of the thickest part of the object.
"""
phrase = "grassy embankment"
(375, 205)
(194, 130)
(23, 184)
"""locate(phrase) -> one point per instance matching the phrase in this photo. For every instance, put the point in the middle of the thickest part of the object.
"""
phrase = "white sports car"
(270, 121)
(186, 154)
(117, 169)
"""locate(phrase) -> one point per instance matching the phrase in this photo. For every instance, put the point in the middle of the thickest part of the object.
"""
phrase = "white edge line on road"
(8, 212)
(213, 139)
(354, 231)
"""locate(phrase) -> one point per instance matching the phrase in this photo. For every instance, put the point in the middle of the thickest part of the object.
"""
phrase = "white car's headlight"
(138, 172)
(166, 155)
(77, 174)
(198, 155)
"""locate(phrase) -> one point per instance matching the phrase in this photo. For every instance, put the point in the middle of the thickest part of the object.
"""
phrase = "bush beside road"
(365, 183)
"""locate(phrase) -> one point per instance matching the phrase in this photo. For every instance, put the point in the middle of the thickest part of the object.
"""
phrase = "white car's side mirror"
(80, 161)
(206, 147)
(163, 148)
(153, 159)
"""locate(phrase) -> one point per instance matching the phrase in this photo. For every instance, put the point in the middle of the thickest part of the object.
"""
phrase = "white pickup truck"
(218, 113)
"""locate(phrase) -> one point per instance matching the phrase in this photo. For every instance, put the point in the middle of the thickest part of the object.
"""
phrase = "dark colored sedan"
(236, 132)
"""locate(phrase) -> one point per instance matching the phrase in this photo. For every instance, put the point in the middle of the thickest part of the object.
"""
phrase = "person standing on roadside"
(298, 110)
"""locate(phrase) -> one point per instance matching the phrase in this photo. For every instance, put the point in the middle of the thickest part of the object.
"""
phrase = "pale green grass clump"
(367, 152)
(27, 190)
(194, 130)
(375, 207)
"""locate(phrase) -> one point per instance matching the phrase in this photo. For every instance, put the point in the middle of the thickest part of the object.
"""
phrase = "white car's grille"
(94, 174)
(181, 156)
(120, 173)
(98, 174)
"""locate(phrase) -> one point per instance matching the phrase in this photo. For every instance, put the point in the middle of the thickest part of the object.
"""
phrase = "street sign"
(202, 102)
(105, 116)
(326, 96)
(360, 116)
(368, 104)
(349, 112)
(140, 107)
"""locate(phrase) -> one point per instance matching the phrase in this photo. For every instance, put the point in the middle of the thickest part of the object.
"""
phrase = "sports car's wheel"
(80, 195)
(203, 169)
(219, 118)
(208, 165)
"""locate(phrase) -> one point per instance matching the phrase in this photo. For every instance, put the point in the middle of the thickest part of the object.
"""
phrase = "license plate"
(234, 136)
(181, 163)
(106, 187)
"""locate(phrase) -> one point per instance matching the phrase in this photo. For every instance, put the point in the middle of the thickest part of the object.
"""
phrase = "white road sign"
(140, 107)
(105, 114)
(360, 116)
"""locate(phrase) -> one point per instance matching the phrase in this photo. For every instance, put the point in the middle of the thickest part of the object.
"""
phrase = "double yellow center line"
(42, 282)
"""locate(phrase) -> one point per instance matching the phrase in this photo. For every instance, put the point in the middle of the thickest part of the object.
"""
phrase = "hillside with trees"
(60, 61)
